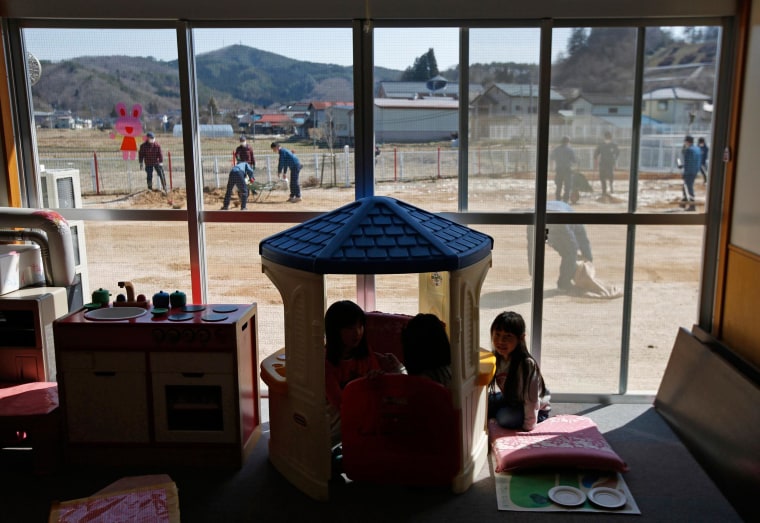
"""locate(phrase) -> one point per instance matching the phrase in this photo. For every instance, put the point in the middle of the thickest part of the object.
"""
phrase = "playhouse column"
(299, 439)
(468, 387)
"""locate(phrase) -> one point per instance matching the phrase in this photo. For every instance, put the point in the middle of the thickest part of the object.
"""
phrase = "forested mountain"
(602, 60)
(240, 78)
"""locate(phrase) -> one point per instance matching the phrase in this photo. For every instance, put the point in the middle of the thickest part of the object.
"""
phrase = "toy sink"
(116, 313)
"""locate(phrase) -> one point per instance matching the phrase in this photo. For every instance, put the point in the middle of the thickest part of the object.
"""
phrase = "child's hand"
(389, 363)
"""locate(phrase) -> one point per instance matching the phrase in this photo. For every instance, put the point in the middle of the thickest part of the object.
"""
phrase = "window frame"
(196, 217)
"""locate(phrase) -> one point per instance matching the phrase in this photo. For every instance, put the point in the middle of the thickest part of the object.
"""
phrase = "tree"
(425, 67)
(602, 61)
(212, 109)
(577, 41)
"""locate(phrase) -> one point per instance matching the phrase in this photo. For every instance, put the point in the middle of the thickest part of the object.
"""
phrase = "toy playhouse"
(390, 440)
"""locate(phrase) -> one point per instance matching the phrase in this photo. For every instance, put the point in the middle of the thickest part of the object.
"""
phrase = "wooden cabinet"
(106, 396)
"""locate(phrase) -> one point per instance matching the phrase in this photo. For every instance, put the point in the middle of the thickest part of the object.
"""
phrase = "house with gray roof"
(502, 109)
(600, 111)
(676, 105)
(421, 120)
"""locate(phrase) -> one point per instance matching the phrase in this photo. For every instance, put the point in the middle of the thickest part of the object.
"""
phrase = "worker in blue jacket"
(288, 160)
(239, 177)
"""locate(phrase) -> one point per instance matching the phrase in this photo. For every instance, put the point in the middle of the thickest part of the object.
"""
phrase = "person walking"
(288, 160)
(237, 178)
(692, 158)
(605, 156)
(152, 158)
(564, 158)
(705, 152)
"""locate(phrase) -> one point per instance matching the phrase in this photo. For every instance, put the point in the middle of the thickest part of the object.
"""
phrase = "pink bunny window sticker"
(128, 125)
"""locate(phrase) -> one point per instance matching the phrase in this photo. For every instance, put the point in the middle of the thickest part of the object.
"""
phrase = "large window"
(595, 127)
(96, 97)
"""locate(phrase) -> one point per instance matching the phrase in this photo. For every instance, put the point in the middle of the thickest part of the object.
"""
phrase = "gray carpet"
(666, 482)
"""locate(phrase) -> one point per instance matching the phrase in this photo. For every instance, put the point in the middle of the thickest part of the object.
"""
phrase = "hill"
(239, 78)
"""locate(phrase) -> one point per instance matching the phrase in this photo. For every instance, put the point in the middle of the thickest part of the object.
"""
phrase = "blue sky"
(395, 48)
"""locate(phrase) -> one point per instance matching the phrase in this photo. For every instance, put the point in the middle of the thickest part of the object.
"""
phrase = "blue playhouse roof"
(377, 235)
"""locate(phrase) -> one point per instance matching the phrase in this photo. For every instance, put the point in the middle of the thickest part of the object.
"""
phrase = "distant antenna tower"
(33, 68)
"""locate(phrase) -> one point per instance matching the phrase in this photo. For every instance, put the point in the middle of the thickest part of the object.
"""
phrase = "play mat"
(529, 491)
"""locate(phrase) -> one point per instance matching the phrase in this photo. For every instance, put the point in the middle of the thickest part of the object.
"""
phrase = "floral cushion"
(559, 442)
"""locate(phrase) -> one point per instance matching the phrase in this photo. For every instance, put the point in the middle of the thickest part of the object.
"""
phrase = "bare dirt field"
(581, 338)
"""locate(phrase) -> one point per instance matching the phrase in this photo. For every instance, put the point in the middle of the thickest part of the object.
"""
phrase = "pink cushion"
(561, 441)
(29, 399)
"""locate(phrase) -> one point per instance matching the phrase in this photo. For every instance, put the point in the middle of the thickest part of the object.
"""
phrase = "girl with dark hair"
(347, 356)
(522, 399)
(427, 351)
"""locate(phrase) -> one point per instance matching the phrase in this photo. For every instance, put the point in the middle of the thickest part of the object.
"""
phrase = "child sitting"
(348, 357)
(522, 399)
(427, 351)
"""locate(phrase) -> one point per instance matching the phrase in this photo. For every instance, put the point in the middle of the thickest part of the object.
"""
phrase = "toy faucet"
(130, 290)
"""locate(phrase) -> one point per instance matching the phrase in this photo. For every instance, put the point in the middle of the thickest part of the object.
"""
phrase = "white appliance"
(82, 288)
(61, 189)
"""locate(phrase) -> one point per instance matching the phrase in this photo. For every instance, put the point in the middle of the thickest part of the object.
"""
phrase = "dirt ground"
(581, 337)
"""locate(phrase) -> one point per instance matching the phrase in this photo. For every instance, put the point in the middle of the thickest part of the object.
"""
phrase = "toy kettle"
(101, 296)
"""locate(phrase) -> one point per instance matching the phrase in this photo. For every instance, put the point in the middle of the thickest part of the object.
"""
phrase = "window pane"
(665, 297)
(508, 284)
(154, 256)
(503, 118)
(99, 93)
(293, 86)
(235, 276)
(416, 114)
(582, 327)
(591, 107)
(677, 101)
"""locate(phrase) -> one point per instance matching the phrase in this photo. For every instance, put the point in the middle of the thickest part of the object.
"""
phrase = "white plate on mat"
(567, 496)
(606, 497)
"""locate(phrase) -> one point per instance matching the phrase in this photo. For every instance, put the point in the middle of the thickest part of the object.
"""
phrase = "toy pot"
(101, 296)
(161, 300)
(178, 299)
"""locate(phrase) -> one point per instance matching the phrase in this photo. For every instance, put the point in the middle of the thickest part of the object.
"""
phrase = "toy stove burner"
(193, 308)
(224, 308)
(214, 317)
(183, 316)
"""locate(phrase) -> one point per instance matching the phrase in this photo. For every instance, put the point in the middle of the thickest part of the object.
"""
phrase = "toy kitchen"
(161, 383)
